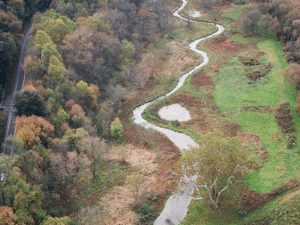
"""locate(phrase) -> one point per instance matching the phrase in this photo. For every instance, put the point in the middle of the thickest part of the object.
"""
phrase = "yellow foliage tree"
(42, 40)
(57, 221)
(56, 68)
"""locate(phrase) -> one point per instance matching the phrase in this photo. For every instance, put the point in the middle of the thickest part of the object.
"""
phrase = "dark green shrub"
(29, 103)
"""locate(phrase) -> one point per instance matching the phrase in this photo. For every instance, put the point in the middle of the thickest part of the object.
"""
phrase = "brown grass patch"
(223, 46)
(262, 109)
(252, 143)
(160, 171)
(188, 100)
(201, 80)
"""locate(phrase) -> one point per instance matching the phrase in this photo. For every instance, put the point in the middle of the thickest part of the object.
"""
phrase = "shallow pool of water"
(174, 112)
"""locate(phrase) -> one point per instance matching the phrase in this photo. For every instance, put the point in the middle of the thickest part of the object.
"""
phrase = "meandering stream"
(177, 204)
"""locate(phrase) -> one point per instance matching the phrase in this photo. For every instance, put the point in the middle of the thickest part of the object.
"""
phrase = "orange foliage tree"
(32, 129)
(76, 110)
(7, 216)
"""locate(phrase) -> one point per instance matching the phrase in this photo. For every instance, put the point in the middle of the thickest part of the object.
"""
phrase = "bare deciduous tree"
(163, 14)
(207, 4)
(220, 165)
(250, 20)
(93, 147)
(122, 18)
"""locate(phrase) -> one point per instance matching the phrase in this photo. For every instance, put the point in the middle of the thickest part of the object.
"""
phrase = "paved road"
(10, 99)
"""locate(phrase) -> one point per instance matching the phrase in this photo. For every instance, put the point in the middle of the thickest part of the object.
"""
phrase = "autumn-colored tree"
(250, 19)
(103, 119)
(128, 50)
(74, 136)
(293, 74)
(163, 14)
(29, 86)
(60, 117)
(33, 130)
(64, 127)
(56, 68)
(69, 174)
(56, 26)
(29, 61)
(47, 53)
(116, 95)
(94, 56)
(7, 216)
(94, 21)
(31, 163)
(77, 9)
(122, 18)
(10, 21)
(86, 94)
(57, 221)
(69, 104)
(18, 7)
(76, 110)
(42, 40)
(265, 24)
(26, 200)
(146, 25)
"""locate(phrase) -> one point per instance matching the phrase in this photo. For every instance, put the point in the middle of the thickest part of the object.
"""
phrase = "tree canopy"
(220, 165)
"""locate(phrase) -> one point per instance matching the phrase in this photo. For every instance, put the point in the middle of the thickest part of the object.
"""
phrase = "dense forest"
(14, 15)
(14, 18)
(81, 63)
(80, 60)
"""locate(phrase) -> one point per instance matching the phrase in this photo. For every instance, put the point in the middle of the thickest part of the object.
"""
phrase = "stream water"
(174, 112)
(176, 207)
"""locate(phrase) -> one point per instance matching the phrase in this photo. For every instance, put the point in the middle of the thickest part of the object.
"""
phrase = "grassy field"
(201, 215)
(232, 93)
(271, 92)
